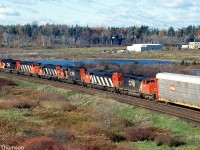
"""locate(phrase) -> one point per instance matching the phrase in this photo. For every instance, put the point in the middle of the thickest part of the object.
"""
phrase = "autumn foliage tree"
(81, 36)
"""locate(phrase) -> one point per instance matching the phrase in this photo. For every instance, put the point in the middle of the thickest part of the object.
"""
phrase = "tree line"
(50, 35)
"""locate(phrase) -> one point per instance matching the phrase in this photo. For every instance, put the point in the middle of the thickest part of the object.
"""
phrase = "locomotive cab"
(2, 65)
(149, 88)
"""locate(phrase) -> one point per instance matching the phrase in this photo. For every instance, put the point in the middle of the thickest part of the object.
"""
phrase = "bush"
(9, 104)
(139, 134)
(5, 82)
(117, 137)
(32, 133)
(97, 144)
(98, 131)
(166, 139)
(26, 104)
(11, 140)
(62, 135)
(68, 107)
(122, 122)
(42, 143)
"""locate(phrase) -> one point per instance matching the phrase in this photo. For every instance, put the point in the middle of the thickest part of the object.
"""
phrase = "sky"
(97, 13)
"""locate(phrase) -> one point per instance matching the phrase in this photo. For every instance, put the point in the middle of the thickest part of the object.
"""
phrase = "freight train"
(169, 87)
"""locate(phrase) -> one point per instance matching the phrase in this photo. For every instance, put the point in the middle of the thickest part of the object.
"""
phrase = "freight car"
(179, 89)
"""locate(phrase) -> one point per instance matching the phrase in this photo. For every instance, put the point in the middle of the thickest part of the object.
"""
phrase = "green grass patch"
(13, 115)
(25, 84)
(179, 127)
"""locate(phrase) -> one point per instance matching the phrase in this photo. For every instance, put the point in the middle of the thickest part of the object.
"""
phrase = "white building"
(194, 45)
(185, 47)
(144, 47)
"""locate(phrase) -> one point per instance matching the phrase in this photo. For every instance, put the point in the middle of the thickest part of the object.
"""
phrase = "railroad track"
(188, 114)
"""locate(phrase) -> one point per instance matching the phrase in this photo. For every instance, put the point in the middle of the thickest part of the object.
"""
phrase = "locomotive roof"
(29, 62)
(102, 72)
(9, 60)
(135, 76)
(49, 65)
(178, 77)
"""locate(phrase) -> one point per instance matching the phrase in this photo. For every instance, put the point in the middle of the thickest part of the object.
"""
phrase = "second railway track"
(190, 115)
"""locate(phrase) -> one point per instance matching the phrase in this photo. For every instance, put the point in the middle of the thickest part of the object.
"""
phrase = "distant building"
(194, 45)
(185, 47)
(144, 47)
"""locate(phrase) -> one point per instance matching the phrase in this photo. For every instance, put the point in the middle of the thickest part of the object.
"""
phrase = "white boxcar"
(179, 89)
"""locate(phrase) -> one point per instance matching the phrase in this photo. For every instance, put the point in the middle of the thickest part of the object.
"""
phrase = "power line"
(101, 10)
(165, 23)
(97, 14)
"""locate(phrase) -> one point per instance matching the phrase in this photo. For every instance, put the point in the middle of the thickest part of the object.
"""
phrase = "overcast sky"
(119, 13)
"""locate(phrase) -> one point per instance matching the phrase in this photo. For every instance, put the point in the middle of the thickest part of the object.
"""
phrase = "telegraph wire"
(131, 22)
(97, 14)
(110, 18)
(100, 9)
(164, 22)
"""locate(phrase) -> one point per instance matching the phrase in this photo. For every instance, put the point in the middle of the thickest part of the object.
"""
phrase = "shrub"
(32, 133)
(9, 104)
(97, 130)
(68, 107)
(62, 135)
(11, 140)
(5, 82)
(168, 140)
(97, 144)
(26, 104)
(116, 137)
(139, 134)
(122, 122)
(42, 143)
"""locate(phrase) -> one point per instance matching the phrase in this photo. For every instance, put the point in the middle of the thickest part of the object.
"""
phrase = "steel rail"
(188, 114)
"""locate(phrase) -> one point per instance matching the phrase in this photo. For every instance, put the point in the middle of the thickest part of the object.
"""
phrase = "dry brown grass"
(136, 134)
(68, 107)
(92, 143)
(19, 104)
(168, 140)
(122, 122)
(11, 140)
(5, 82)
(29, 94)
(42, 143)
(62, 135)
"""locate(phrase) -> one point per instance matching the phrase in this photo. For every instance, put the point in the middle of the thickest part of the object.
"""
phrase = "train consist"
(174, 88)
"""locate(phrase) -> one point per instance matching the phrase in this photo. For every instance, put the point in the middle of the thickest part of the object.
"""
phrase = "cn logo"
(8, 65)
(72, 73)
(172, 88)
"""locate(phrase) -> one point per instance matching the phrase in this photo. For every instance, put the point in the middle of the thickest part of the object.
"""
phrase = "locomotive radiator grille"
(25, 68)
(101, 80)
(50, 72)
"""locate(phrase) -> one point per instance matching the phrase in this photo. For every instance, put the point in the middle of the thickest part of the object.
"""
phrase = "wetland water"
(117, 62)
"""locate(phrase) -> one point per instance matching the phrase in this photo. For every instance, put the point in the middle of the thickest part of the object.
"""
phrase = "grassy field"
(38, 116)
(93, 53)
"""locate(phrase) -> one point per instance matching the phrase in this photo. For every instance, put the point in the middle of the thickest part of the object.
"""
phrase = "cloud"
(26, 2)
(29, 10)
(175, 3)
(8, 11)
